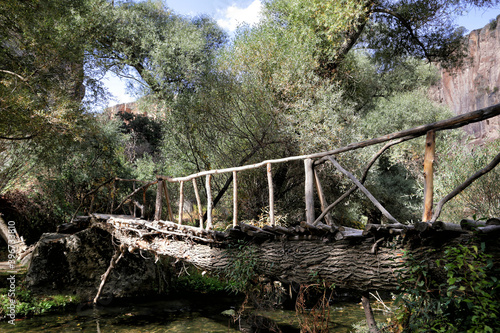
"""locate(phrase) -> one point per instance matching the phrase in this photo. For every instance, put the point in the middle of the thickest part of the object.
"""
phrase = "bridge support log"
(369, 260)
(348, 264)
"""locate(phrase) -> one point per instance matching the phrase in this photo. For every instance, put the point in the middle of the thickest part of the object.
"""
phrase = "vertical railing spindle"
(235, 199)
(181, 201)
(209, 202)
(159, 186)
(309, 190)
(271, 194)
(198, 202)
(169, 206)
(430, 149)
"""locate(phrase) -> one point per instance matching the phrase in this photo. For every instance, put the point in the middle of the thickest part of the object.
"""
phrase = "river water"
(199, 314)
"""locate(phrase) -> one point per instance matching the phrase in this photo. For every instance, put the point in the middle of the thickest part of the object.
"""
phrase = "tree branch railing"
(312, 181)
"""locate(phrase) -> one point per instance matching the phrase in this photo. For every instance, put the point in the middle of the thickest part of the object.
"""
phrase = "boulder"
(73, 265)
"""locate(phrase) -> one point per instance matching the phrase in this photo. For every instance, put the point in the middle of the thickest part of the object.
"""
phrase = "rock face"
(73, 264)
(477, 84)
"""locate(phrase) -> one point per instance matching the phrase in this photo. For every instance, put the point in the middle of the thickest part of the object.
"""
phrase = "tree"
(168, 52)
(391, 29)
(41, 66)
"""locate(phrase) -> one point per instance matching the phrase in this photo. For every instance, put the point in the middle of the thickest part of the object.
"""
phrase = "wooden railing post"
(167, 198)
(271, 194)
(430, 148)
(159, 185)
(309, 190)
(135, 207)
(209, 202)
(181, 201)
(198, 202)
(235, 199)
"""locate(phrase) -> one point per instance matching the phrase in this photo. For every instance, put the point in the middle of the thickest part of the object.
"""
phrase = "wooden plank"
(235, 199)
(271, 194)
(198, 202)
(430, 148)
(209, 202)
(309, 190)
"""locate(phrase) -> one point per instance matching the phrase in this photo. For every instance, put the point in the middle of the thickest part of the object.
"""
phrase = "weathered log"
(358, 263)
(471, 224)
(278, 230)
(493, 221)
(438, 225)
(489, 229)
(422, 226)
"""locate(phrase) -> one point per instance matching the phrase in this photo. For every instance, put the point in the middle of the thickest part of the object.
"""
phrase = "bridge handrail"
(311, 178)
(450, 123)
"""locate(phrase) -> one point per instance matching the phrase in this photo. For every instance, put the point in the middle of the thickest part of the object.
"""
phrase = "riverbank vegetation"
(311, 76)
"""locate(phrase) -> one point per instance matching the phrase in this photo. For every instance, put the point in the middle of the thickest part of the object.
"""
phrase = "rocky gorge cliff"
(476, 84)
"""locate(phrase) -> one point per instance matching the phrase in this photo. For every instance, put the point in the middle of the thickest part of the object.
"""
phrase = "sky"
(231, 13)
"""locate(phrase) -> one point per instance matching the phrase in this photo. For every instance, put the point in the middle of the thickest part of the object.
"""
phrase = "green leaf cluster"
(465, 301)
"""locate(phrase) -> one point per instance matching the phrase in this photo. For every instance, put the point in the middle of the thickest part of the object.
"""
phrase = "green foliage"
(456, 163)
(466, 301)
(28, 305)
(199, 282)
(241, 271)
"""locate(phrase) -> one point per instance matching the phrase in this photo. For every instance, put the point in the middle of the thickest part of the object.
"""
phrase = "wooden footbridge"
(350, 258)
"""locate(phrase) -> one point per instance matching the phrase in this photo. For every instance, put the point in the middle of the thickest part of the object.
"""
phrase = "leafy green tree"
(42, 66)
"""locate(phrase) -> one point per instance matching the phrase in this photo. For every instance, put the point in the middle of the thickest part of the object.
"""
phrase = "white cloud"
(234, 16)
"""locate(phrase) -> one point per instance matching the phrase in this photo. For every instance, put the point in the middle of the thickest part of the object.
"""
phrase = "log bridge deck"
(352, 259)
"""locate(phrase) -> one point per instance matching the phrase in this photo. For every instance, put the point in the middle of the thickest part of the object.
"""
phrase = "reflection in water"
(194, 315)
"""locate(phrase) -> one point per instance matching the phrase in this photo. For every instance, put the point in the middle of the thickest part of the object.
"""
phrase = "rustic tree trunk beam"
(463, 186)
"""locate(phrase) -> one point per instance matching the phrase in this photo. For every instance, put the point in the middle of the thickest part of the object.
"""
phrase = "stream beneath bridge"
(193, 314)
